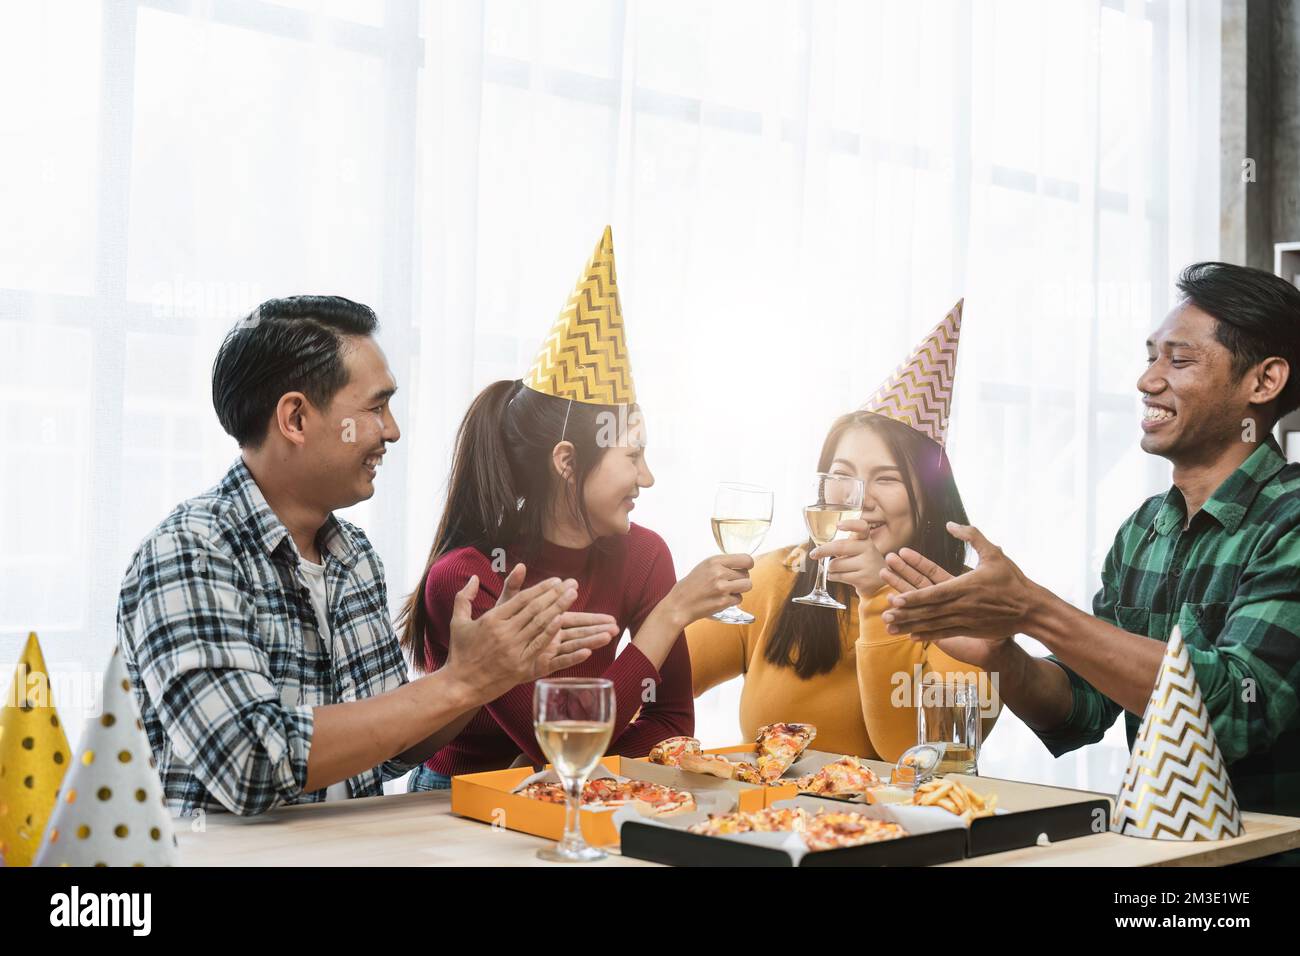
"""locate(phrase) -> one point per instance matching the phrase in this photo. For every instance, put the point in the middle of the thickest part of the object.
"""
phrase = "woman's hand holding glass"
(855, 560)
(713, 584)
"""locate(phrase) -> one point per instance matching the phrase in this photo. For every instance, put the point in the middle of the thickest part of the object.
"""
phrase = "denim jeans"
(422, 778)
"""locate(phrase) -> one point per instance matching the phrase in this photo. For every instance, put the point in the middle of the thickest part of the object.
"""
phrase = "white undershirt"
(313, 578)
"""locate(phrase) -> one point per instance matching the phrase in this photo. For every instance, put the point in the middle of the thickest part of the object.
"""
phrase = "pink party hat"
(919, 393)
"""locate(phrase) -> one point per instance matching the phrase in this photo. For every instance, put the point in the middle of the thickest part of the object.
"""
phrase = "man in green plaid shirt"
(1217, 555)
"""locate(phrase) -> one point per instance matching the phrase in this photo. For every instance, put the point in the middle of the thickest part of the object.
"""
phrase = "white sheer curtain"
(798, 191)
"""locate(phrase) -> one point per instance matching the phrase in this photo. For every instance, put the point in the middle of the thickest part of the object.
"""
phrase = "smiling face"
(613, 485)
(348, 439)
(862, 453)
(1193, 404)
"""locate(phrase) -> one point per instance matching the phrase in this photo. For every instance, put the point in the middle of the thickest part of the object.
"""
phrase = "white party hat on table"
(1176, 786)
(111, 810)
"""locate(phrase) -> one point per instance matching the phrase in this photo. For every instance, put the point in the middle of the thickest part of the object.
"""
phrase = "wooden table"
(418, 829)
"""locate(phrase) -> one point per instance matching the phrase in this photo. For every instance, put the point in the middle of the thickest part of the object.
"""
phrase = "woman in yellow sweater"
(842, 671)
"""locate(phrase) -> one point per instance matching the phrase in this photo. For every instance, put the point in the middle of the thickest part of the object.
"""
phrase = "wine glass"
(574, 719)
(839, 498)
(741, 516)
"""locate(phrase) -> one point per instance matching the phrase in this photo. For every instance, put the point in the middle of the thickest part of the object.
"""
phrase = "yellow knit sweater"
(860, 707)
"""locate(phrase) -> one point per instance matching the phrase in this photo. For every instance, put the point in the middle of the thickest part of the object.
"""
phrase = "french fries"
(955, 797)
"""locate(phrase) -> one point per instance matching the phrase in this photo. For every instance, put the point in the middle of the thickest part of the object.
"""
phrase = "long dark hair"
(503, 482)
(807, 638)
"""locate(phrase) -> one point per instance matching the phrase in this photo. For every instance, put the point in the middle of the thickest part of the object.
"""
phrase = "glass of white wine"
(839, 498)
(741, 516)
(574, 719)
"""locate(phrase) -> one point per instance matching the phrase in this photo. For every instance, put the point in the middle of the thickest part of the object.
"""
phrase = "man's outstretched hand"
(992, 603)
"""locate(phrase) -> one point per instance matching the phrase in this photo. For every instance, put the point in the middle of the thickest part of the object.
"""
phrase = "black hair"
(284, 345)
(1257, 317)
(807, 638)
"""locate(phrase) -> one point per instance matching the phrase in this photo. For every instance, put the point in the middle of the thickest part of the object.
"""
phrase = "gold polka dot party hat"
(584, 358)
(111, 810)
(34, 755)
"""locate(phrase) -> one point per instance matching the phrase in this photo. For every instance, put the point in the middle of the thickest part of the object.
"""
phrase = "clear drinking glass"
(839, 498)
(574, 720)
(741, 516)
(948, 716)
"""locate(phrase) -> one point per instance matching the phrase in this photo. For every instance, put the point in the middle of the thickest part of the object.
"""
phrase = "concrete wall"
(1260, 120)
(1284, 223)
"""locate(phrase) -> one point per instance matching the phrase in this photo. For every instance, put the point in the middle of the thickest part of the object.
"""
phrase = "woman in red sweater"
(544, 477)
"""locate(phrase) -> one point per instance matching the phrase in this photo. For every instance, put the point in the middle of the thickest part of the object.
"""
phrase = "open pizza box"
(1027, 815)
(934, 836)
(748, 796)
(810, 761)
(1031, 814)
(491, 796)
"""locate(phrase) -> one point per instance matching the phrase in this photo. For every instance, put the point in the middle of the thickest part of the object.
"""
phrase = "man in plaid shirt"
(255, 623)
(1218, 555)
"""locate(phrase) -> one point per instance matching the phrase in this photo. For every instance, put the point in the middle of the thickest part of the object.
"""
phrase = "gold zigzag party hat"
(585, 357)
(111, 810)
(1176, 786)
(34, 754)
(919, 393)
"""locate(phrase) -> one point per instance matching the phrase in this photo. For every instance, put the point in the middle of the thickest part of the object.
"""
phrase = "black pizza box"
(935, 836)
(1030, 814)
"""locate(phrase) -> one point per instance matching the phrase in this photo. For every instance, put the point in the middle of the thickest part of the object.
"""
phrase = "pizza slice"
(834, 829)
(846, 777)
(713, 764)
(779, 745)
(658, 800)
(605, 793)
(771, 820)
(546, 792)
(669, 752)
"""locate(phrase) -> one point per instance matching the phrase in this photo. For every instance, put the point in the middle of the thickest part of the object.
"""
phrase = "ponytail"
(480, 494)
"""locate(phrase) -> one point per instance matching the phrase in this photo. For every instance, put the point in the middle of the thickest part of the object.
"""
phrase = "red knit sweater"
(625, 577)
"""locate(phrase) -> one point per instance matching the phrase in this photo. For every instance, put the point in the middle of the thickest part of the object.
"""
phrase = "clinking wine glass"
(574, 720)
(741, 516)
(839, 498)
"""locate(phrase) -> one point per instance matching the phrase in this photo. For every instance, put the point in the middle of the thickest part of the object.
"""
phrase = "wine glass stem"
(572, 813)
(823, 566)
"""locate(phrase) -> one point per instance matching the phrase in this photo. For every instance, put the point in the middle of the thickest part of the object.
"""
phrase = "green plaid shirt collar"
(1232, 499)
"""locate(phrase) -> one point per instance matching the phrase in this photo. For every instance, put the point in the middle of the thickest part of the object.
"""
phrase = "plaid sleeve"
(1249, 674)
(1091, 711)
(205, 668)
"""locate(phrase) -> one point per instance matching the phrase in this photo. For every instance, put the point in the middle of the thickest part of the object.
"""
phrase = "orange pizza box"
(751, 796)
(932, 836)
(810, 761)
(489, 796)
(748, 796)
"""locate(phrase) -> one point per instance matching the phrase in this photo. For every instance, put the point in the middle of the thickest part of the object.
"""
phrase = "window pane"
(49, 145)
(258, 165)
